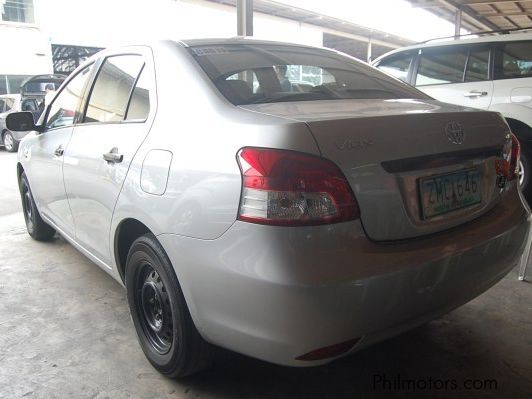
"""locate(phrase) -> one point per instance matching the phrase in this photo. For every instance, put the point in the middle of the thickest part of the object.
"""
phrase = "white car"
(492, 73)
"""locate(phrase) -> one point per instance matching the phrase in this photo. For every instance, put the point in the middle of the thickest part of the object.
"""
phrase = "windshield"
(266, 73)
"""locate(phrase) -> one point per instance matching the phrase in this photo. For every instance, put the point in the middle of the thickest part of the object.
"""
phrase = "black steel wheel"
(37, 228)
(153, 308)
(165, 329)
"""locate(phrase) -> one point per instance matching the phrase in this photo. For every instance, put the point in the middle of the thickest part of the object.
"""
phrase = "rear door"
(456, 74)
(114, 125)
(513, 74)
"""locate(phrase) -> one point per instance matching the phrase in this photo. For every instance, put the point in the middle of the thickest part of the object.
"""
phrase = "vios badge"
(455, 132)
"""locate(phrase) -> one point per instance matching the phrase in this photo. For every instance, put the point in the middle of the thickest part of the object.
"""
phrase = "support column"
(457, 23)
(369, 50)
(244, 17)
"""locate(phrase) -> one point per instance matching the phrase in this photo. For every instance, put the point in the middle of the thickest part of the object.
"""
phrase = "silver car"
(292, 226)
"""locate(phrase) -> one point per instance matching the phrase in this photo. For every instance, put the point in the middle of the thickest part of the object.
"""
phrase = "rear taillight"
(288, 188)
(509, 167)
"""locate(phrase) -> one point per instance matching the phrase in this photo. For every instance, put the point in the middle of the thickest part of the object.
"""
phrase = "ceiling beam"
(437, 4)
(506, 14)
(469, 16)
(473, 2)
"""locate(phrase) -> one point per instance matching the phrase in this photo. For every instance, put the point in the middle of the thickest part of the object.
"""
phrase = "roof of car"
(451, 42)
(235, 40)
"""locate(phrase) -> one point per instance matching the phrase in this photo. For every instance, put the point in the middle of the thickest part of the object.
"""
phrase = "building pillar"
(457, 23)
(244, 16)
(369, 50)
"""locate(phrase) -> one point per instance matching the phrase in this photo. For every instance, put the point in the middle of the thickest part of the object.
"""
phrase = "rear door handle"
(476, 93)
(59, 151)
(113, 156)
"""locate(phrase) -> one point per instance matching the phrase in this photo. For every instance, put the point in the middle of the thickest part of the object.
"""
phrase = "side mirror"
(21, 122)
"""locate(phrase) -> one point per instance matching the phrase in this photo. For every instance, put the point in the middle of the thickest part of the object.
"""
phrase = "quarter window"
(514, 61)
(111, 91)
(441, 67)
(63, 109)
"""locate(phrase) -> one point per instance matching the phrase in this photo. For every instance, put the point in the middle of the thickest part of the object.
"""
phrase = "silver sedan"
(238, 210)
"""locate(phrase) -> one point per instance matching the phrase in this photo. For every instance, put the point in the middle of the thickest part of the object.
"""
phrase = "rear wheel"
(37, 228)
(525, 173)
(10, 144)
(165, 329)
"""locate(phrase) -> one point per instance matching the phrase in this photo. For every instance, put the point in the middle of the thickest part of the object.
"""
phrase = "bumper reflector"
(329, 351)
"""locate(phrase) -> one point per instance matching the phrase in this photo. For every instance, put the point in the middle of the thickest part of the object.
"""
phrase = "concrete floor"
(65, 332)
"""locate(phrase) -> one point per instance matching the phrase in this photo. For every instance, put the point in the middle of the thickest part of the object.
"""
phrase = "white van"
(491, 72)
(25, 51)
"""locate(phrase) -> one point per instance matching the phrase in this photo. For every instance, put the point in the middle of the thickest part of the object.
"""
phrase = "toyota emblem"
(455, 132)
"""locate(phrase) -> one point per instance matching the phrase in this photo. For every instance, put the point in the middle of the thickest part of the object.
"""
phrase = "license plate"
(446, 193)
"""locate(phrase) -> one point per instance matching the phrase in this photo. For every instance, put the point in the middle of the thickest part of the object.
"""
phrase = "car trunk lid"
(395, 152)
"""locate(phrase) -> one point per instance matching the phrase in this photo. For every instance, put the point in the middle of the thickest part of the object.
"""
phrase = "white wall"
(105, 23)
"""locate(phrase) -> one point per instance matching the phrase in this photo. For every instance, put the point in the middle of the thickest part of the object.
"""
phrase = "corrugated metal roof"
(482, 15)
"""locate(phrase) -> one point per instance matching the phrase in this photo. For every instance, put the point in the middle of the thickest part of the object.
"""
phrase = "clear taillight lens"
(511, 155)
(283, 187)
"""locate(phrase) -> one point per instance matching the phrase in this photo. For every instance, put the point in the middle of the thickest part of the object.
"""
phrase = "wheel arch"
(20, 170)
(125, 234)
(520, 129)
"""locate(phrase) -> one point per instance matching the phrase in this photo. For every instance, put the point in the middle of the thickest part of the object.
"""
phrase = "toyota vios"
(239, 210)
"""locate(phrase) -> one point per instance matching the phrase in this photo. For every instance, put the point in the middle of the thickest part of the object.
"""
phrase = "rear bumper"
(277, 293)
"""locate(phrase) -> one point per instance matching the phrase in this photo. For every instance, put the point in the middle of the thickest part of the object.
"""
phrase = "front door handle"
(476, 93)
(59, 151)
(113, 156)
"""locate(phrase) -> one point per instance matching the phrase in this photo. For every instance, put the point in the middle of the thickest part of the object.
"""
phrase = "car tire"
(10, 144)
(165, 329)
(37, 228)
(525, 174)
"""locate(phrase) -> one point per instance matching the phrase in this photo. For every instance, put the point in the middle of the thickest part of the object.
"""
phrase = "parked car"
(33, 93)
(14, 103)
(491, 72)
(294, 227)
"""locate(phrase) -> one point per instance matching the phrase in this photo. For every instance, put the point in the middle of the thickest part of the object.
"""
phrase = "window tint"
(139, 106)
(312, 74)
(29, 105)
(514, 61)
(397, 66)
(65, 104)
(477, 66)
(112, 89)
(438, 67)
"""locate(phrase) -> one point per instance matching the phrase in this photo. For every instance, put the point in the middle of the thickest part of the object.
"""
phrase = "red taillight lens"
(288, 188)
(510, 163)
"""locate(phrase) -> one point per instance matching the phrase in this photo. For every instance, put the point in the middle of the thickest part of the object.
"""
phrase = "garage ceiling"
(482, 15)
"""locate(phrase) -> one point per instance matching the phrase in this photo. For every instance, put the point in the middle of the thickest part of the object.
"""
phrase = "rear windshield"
(263, 73)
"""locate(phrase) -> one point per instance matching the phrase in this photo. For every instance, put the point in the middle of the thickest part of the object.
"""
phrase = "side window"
(477, 66)
(441, 66)
(139, 105)
(29, 105)
(65, 104)
(514, 60)
(110, 94)
(397, 65)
